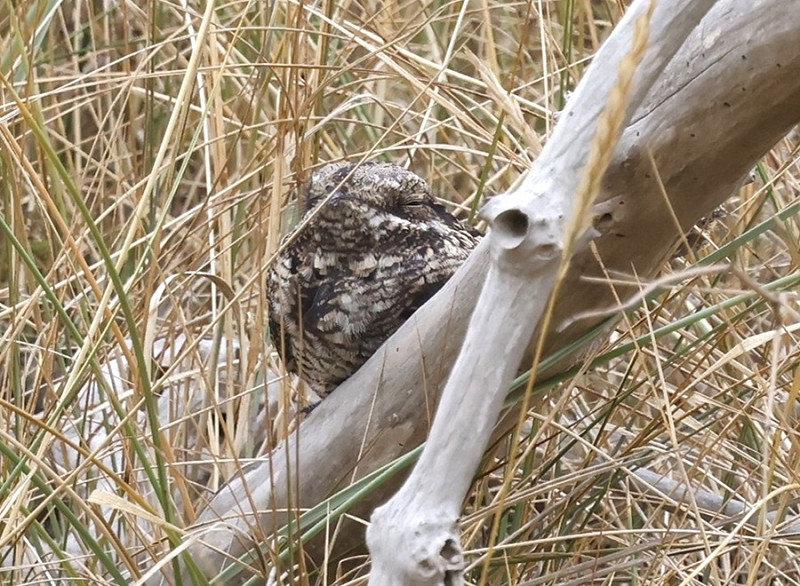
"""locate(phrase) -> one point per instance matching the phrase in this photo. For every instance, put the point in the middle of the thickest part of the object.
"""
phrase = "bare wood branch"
(414, 538)
(718, 106)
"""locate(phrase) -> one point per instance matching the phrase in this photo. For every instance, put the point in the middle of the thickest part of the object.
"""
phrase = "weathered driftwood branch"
(414, 538)
(729, 94)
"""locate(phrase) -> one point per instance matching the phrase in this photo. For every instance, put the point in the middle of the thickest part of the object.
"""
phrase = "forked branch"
(414, 538)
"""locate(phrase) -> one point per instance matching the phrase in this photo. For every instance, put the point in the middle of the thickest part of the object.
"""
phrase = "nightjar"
(378, 249)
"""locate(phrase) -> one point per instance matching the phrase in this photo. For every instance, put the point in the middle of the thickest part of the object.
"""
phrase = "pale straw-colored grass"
(150, 155)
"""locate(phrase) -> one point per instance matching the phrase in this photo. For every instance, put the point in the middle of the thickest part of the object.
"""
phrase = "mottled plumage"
(375, 252)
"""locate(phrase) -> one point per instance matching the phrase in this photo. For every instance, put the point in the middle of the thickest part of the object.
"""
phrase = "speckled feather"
(377, 250)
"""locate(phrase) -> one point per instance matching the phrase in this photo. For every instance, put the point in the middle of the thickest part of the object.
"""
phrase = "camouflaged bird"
(378, 249)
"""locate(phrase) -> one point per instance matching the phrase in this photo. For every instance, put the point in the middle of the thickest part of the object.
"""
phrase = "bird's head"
(375, 199)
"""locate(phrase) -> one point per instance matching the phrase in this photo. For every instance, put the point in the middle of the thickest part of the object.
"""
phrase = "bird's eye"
(413, 200)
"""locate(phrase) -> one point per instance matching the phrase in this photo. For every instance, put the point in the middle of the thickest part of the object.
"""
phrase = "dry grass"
(149, 158)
